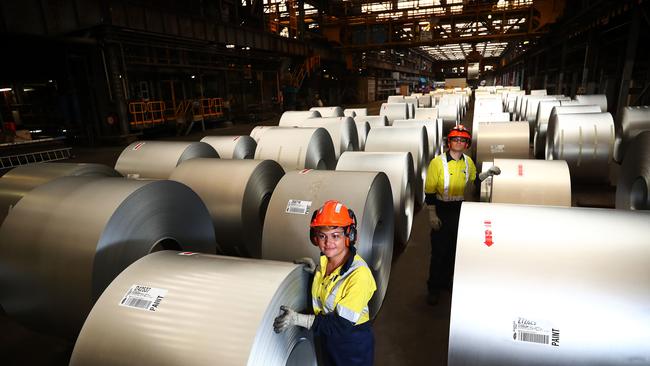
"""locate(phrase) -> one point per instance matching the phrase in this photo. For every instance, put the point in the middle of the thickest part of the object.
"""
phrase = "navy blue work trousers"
(354, 348)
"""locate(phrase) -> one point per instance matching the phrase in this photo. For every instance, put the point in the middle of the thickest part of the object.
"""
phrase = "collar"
(449, 158)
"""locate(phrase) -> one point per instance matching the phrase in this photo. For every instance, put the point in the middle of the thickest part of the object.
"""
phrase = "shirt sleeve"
(433, 175)
(472, 169)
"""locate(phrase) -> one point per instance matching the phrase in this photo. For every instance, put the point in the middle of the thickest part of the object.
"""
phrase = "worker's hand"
(494, 170)
(308, 264)
(434, 220)
(290, 317)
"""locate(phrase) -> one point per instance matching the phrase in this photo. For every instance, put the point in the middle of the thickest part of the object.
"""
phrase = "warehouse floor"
(407, 330)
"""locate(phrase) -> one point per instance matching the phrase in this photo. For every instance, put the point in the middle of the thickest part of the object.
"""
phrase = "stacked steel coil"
(328, 111)
(157, 159)
(298, 194)
(232, 147)
(237, 194)
(199, 310)
(398, 166)
(66, 240)
(634, 179)
(431, 125)
(634, 121)
(564, 288)
(297, 148)
(394, 111)
(502, 140)
(342, 130)
(289, 117)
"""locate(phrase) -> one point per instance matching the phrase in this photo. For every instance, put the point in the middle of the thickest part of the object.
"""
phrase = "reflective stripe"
(348, 314)
(331, 298)
(445, 167)
(315, 303)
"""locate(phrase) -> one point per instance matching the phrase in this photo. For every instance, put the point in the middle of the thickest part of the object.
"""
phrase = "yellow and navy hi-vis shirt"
(346, 293)
(447, 178)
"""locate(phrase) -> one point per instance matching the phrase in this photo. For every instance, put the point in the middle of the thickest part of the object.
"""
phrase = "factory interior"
(162, 164)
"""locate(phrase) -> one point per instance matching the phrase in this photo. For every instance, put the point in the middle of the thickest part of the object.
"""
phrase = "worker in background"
(317, 101)
(341, 290)
(447, 177)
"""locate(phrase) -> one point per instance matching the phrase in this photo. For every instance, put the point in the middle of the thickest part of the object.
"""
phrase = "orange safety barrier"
(138, 111)
(156, 111)
(147, 114)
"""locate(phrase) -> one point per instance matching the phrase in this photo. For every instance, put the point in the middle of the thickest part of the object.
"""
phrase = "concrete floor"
(407, 330)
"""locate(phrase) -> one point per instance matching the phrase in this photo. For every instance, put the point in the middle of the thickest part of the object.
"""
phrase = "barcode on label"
(532, 337)
(137, 303)
(298, 207)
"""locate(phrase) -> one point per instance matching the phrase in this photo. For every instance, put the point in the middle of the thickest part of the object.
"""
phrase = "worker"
(341, 290)
(447, 177)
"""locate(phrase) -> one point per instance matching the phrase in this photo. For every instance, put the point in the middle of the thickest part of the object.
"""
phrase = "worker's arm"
(434, 173)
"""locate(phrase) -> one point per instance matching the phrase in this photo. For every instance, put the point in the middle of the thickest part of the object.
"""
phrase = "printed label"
(187, 253)
(138, 145)
(535, 331)
(497, 148)
(520, 170)
(304, 171)
(488, 233)
(143, 297)
(298, 207)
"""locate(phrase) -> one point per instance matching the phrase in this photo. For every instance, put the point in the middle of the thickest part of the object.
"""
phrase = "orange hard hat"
(460, 131)
(334, 213)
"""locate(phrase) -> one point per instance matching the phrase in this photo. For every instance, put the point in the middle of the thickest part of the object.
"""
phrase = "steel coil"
(196, 309)
(394, 111)
(258, 131)
(424, 101)
(358, 112)
(541, 124)
(342, 130)
(413, 140)
(449, 115)
(286, 230)
(18, 181)
(290, 117)
(373, 121)
(232, 147)
(398, 167)
(585, 141)
(237, 194)
(328, 111)
(502, 140)
(157, 159)
(426, 113)
(634, 180)
(395, 99)
(66, 240)
(297, 148)
(363, 128)
(411, 100)
(634, 121)
(563, 288)
(431, 126)
(593, 99)
(528, 182)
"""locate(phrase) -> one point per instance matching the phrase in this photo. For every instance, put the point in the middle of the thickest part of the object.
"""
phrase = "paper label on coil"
(497, 148)
(298, 207)
(534, 330)
(143, 297)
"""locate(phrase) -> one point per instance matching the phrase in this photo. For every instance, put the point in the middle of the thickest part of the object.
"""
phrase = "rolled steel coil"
(232, 147)
(634, 121)
(358, 112)
(431, 125)
(394, 111)
(157, 159)
(411, 100)
(413, 140)
(297, 148)
(196, 309)
(395, 99)
(237, 194)
(519, 103)
(532, 106)
(593, 99)
(424, 101)
(289, 117)
(328, 111)
(66, 240)
(585, 141)
(502, 140)
(563, 288)
(258, 131)
(538, 92)
(411, 109)
(541, 124)
(634, 179)
(449, 115)
(572, 109)
(569, 102)
(398, 167)
(426, 113)
(298, 194)
(528, 182)
(342, 130)
(363, 128)
(18, 181)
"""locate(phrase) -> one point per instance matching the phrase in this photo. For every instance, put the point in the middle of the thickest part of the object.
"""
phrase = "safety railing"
(146, 114)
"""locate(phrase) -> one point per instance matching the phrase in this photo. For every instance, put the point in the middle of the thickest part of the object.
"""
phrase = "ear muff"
(351, 231)
(312, 232)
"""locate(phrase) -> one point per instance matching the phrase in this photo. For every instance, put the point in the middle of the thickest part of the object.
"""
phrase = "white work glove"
(290, 317)
(308, 264)
(434, 220)
(490, 172)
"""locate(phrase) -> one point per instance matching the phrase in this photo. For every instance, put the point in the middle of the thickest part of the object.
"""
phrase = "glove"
(434, 220)
(290, 317)
(308, 264)
(490, 172)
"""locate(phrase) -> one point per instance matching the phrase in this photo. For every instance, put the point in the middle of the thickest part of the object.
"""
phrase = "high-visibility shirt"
(346, 291)
(447, 178)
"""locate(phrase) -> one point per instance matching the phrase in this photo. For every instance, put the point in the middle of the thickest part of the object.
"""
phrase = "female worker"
(342, 287)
